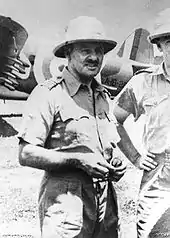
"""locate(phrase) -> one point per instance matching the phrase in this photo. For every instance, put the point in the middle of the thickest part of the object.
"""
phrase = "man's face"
(86, 59)
(165, 48)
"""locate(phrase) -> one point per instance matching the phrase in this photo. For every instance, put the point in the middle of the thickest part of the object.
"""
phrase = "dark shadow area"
(6, 130)
(162, 227)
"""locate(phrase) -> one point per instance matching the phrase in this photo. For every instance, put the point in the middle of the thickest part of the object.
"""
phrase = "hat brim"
(155, 37)
(108, 45)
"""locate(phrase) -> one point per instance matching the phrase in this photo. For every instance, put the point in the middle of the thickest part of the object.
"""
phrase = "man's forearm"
(126, 145)
(45, 159)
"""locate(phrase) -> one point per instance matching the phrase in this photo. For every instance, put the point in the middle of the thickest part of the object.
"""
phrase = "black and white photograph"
(84, 119)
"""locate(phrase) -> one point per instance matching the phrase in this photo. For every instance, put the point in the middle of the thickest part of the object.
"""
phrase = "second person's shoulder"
(143, 76)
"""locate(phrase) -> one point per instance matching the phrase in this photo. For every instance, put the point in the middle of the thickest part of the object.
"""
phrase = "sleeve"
(38, 116)
(130, 99)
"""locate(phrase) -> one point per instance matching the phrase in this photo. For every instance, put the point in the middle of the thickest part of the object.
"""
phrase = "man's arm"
(39, 157)
(145, 162)
(50, 160)
(125, 144)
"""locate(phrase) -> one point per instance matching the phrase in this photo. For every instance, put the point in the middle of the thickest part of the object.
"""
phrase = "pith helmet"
(84, 29)
(161, 26)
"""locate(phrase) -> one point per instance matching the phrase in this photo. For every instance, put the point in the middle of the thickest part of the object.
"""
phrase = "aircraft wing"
(7, 94)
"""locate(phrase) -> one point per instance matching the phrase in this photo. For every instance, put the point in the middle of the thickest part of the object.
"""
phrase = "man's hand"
(146, 162)
(95, 165)
(119, 169)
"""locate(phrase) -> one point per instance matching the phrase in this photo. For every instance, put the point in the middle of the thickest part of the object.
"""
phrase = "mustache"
(92, 62)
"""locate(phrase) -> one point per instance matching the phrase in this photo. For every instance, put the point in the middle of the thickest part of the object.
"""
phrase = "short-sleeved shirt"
(149, 93)
(63, 114)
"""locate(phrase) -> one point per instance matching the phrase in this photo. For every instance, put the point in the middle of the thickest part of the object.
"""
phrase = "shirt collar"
(98, 87)
(160, 70)
(73, 84)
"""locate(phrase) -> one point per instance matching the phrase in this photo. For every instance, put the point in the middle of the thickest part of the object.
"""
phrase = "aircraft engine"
(47, 65)
(115, 74)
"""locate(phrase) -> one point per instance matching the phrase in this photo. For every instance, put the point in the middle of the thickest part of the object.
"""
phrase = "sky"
(46, 19)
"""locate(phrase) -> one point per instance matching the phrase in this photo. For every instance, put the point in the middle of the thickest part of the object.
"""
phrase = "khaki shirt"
(62, 114)
(149, 94)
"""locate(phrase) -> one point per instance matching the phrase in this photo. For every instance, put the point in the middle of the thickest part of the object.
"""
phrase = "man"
(148, 93)
(69, 131)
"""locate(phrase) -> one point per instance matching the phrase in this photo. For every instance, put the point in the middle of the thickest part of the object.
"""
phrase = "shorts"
(68, 207)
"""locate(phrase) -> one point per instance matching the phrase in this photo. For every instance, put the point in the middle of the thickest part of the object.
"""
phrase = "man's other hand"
(146, 162)
(119, 169)
(95, 165)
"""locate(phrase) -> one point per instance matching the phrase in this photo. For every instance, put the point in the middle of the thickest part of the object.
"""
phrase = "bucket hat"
(84, 29)
(161, 27)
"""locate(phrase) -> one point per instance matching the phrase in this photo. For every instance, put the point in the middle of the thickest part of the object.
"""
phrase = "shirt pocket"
(79, 129)
(68, 112)
(109, 136)
(149, 104)
(112, 132)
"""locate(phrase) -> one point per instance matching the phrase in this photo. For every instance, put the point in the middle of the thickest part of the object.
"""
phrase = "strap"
(51, 83)
(148, 70)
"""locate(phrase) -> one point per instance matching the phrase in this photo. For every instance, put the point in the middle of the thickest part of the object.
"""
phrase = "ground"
(19, 186)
